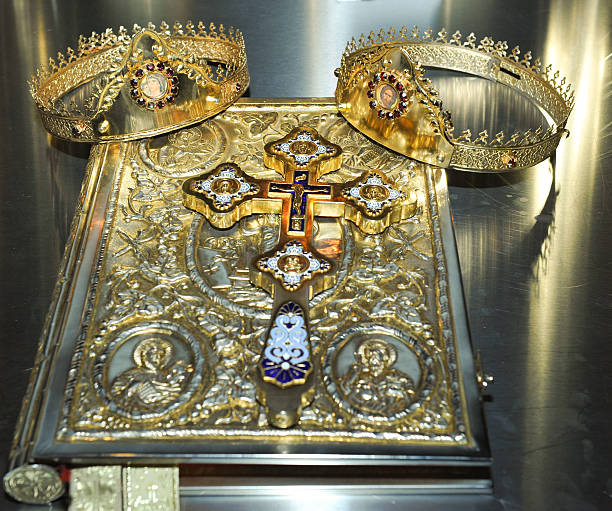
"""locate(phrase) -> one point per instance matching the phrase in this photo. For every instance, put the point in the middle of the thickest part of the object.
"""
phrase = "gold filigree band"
(121, 86)
(383, 93)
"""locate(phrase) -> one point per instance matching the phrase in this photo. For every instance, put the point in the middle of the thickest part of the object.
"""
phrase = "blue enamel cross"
(293, 272)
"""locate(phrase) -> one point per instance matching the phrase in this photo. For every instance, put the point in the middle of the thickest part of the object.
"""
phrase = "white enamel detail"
(304, 158)
(374, 205)
(205, 186)
(287, 343)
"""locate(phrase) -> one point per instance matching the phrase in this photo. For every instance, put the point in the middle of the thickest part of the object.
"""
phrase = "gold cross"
(293, 272)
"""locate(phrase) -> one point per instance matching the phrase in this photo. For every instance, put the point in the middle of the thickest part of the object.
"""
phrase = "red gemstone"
(396, 113)
(238, 86)
(139, 72)
(169, 71)
(377, 77)
(372, 104)
(392, 78)
(371, 85)
(160, 104)
(383, 75)
(160, 65)
(399, 86)
(150, 66)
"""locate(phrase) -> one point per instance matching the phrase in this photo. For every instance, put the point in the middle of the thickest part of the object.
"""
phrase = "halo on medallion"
(149, 369)
(389, 96)
(377, 373)
(153, 84)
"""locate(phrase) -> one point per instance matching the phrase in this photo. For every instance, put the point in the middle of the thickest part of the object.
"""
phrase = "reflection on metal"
(483, 379)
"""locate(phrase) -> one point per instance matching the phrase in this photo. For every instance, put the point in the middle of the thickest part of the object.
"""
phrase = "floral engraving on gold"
(160, 264)
(184, 153)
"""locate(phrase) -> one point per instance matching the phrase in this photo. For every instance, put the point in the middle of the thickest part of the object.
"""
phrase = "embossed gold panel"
(161, 345)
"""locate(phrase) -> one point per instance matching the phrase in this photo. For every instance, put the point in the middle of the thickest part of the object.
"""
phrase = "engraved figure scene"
(373, 383)
(375, 373)
(150, 371)
(156, 380)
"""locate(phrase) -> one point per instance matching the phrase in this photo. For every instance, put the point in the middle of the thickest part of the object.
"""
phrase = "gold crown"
(119, 86)
(383, 93)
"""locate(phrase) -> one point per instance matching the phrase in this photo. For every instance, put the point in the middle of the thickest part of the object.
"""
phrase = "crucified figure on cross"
(293, 272)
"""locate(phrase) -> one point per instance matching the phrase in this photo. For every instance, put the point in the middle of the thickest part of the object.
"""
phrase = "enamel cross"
(293, 272)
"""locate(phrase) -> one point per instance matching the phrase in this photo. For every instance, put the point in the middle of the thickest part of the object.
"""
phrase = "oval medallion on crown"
(153, 84)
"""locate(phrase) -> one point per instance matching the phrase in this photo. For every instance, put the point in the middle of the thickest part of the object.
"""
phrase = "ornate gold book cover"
(157, 331)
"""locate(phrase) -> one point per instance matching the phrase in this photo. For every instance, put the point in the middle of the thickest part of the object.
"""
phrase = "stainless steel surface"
(535, 263)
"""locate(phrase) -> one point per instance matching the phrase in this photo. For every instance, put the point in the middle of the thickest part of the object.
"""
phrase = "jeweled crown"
(129, 85)
(369, 57)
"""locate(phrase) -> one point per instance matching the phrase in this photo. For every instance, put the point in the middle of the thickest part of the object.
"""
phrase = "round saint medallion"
(293, 263)
(388, 95)
(377, 373)
(153, 84)
(303, 147)
(374, 192)
(225, 185)
(34, 484)
(149, 369)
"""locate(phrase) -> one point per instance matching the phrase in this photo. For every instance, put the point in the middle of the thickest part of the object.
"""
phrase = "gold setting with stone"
(160, 78)
(383, 93)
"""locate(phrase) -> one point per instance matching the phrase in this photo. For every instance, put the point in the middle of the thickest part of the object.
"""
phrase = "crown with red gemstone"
(382, 92)
(119, 86)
